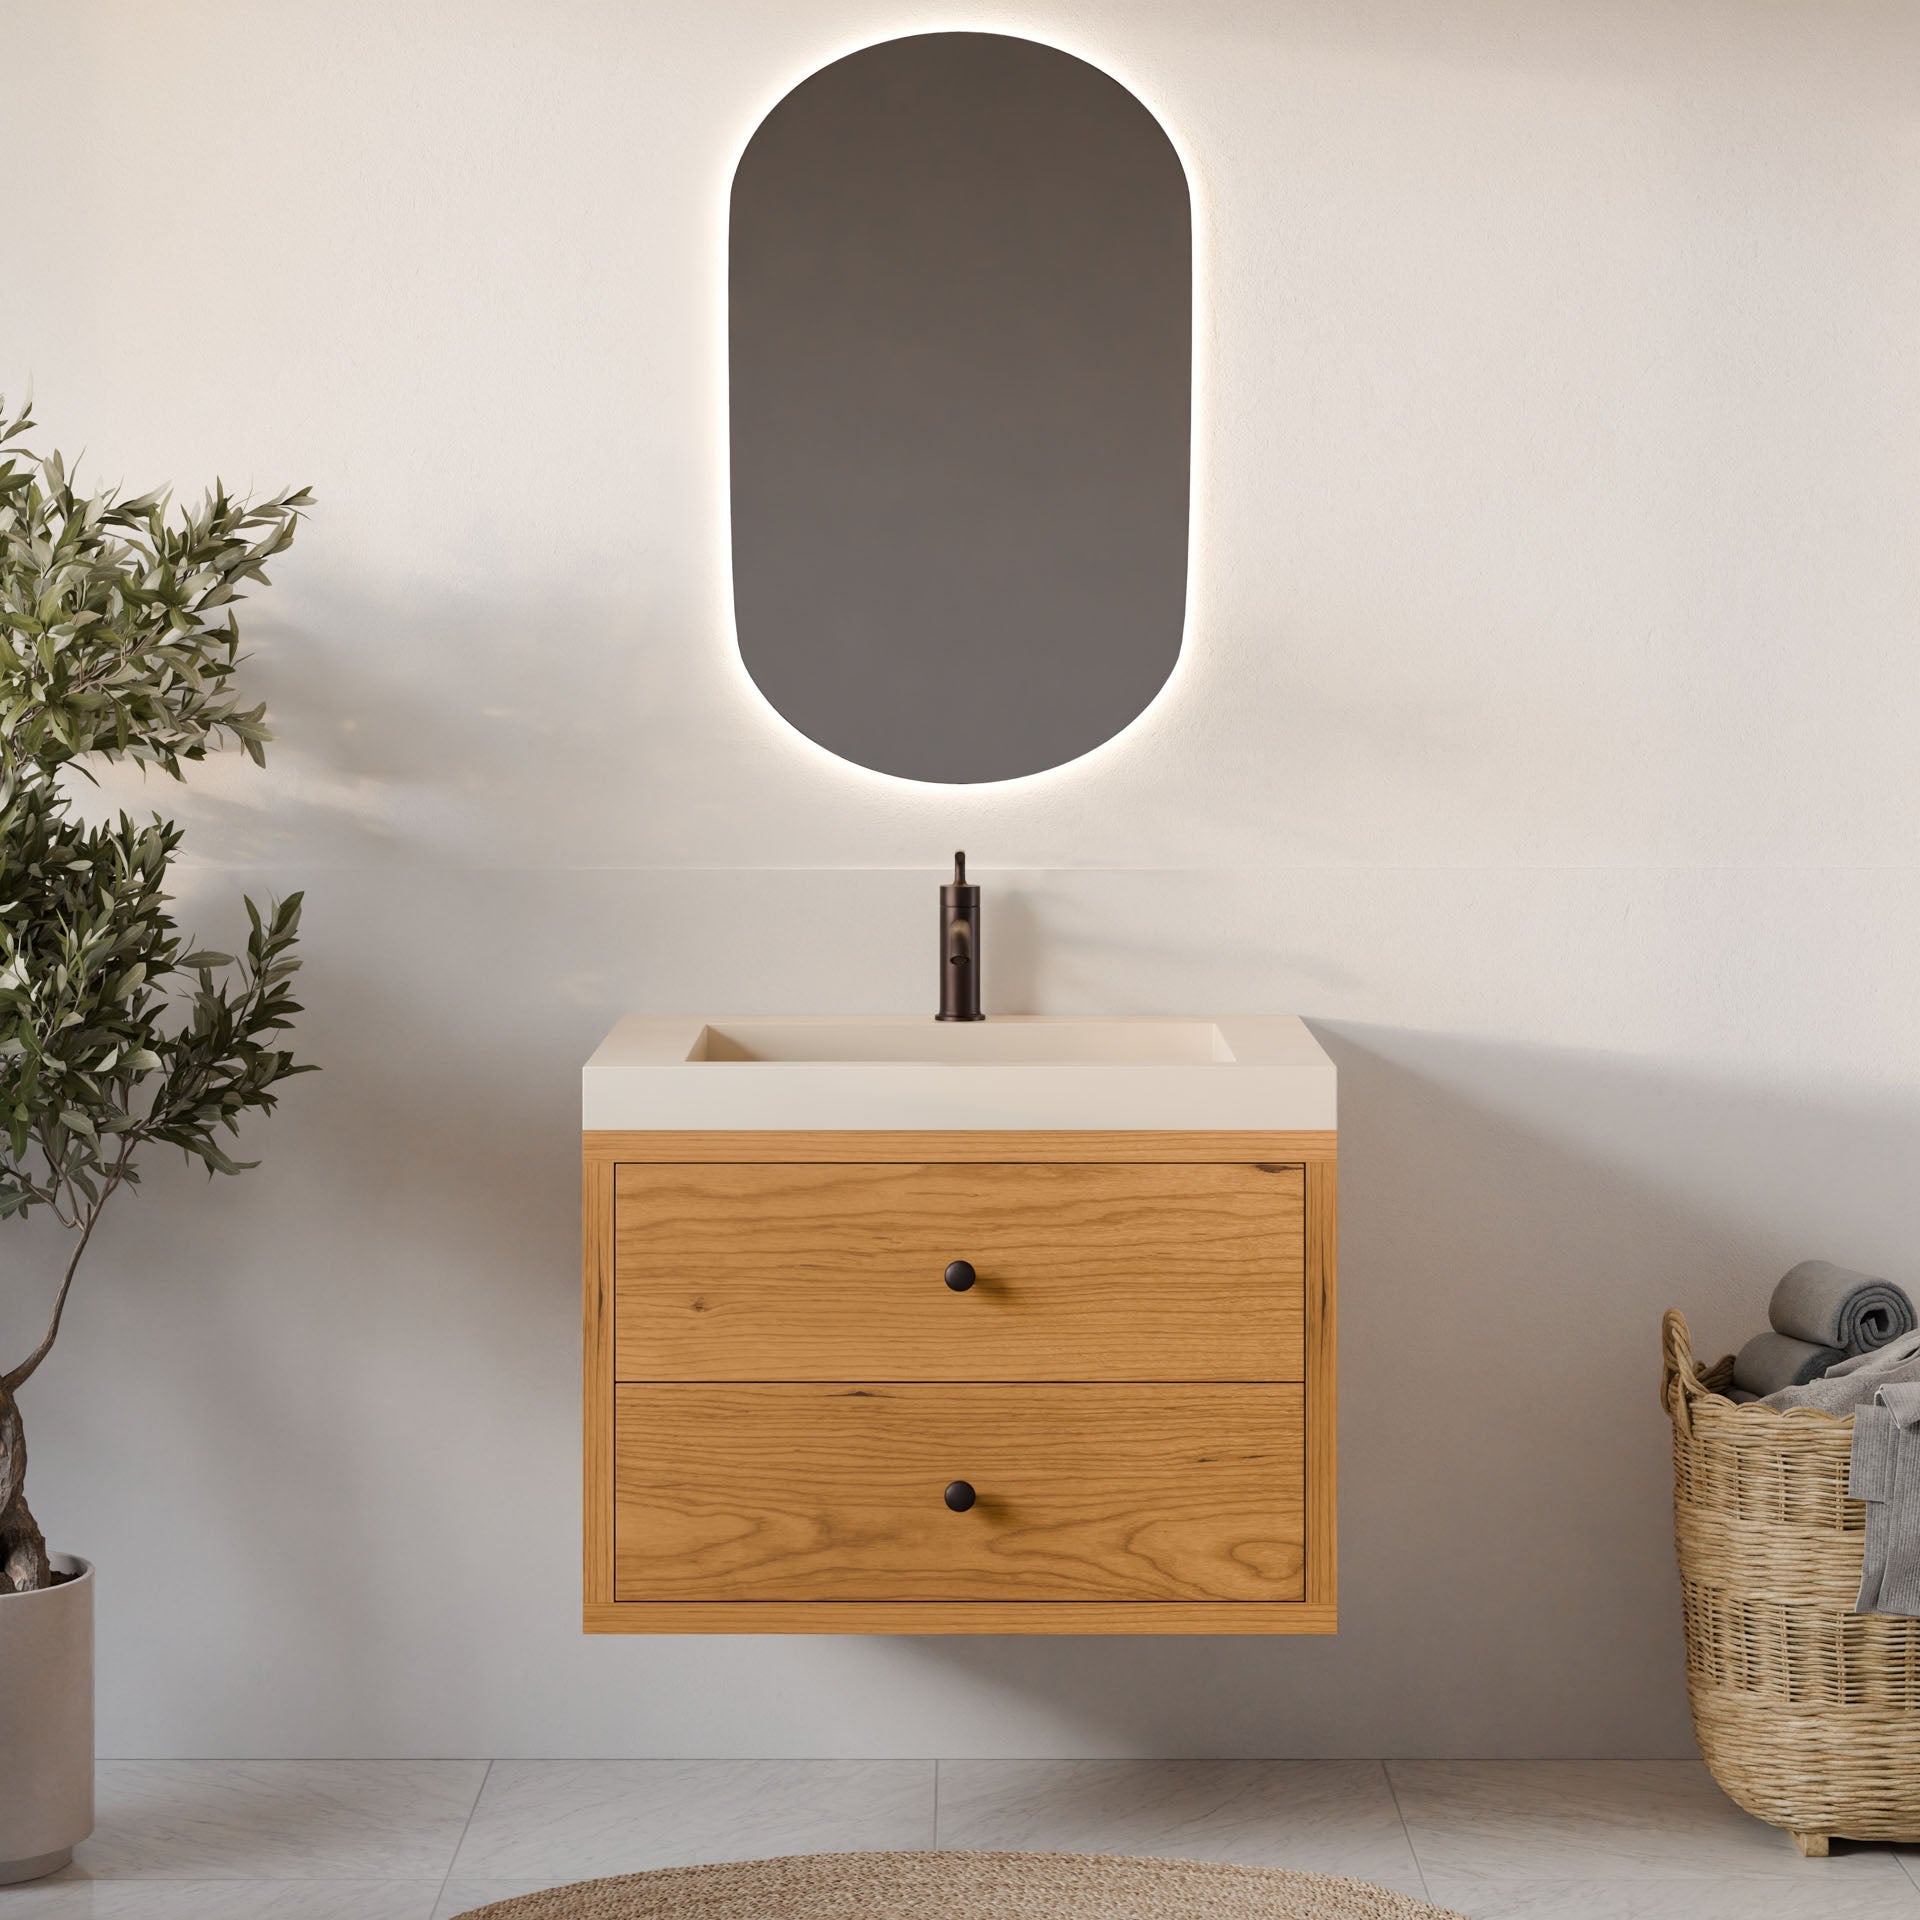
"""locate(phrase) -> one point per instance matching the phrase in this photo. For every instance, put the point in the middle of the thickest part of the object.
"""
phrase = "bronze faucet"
(960, 947)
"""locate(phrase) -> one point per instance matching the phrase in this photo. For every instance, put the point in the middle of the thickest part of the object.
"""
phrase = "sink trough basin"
(835, 1072)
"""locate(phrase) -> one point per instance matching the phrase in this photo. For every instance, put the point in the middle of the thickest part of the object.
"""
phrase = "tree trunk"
(23, 1548)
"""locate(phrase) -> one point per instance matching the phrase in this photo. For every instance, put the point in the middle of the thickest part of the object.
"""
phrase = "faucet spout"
(960, 946)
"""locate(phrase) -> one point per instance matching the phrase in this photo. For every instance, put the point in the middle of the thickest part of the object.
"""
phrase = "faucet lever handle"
(959, 869)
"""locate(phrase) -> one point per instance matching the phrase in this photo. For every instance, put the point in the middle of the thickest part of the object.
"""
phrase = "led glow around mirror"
(960, 361)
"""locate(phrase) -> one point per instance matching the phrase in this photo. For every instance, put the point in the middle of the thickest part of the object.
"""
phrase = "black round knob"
(959, 1496)
(960, 1275)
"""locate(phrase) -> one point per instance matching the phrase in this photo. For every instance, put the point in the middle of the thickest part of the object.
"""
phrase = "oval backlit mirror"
(960, 346)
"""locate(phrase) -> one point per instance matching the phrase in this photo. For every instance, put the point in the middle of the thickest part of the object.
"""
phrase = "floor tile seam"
(466, 1827)
(1393, 1793)
(94, 1877)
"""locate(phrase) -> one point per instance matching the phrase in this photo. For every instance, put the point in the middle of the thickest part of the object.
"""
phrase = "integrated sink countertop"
(1255, 1072)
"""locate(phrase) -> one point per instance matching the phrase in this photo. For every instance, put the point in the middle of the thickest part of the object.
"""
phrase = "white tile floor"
(428, 1839)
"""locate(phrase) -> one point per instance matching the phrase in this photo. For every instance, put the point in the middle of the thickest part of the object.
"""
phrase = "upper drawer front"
(1136, 1271)
(796, 1490)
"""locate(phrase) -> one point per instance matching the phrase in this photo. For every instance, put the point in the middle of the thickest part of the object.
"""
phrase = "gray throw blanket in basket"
(1881, 1390)
(1820, 1315)
(1852, 1383)
(1885, 1473)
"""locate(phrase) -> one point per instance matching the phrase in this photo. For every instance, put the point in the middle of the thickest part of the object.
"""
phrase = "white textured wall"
(1546, 735)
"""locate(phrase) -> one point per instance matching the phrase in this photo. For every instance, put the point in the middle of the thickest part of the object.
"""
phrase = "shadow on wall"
(409, 725)
(1514, 1220)
(339, 1408)
(299, 1400)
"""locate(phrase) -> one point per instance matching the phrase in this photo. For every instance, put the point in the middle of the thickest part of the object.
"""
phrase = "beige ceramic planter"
(46, 1723)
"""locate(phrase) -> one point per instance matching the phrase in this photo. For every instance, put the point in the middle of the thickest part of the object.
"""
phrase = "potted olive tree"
(117, 641)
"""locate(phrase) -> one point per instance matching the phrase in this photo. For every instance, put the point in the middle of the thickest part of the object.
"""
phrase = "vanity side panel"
(596, 1379)
(1322, 1435)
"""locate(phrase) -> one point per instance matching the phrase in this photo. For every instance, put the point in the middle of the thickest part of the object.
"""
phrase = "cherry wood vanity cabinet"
(959, 1382)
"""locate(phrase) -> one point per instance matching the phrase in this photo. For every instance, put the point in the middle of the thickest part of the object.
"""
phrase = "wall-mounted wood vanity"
(968, 1380)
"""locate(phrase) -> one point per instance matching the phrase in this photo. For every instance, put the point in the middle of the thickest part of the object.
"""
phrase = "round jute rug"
(966, 1886)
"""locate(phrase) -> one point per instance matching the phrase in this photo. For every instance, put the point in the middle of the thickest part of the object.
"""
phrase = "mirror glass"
(960, 344)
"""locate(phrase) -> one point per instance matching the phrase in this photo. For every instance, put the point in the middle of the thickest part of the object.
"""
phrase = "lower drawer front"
(815, 1491)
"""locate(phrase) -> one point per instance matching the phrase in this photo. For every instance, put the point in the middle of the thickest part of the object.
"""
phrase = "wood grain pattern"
(785, 1491)
(596, 1377)
(981, 1144)
(1323, 1517)
(944, 1613)
(834, 1272)
(960, 1616)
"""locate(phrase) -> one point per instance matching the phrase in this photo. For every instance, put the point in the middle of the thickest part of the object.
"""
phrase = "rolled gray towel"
(1770, 1361)
(1829, 1306)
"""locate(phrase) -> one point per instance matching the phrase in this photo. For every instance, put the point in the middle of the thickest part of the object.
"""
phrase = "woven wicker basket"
(1807, 1714)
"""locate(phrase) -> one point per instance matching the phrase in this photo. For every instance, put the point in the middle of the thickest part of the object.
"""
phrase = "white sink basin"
(1244, 1073)
(1177, 1043)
